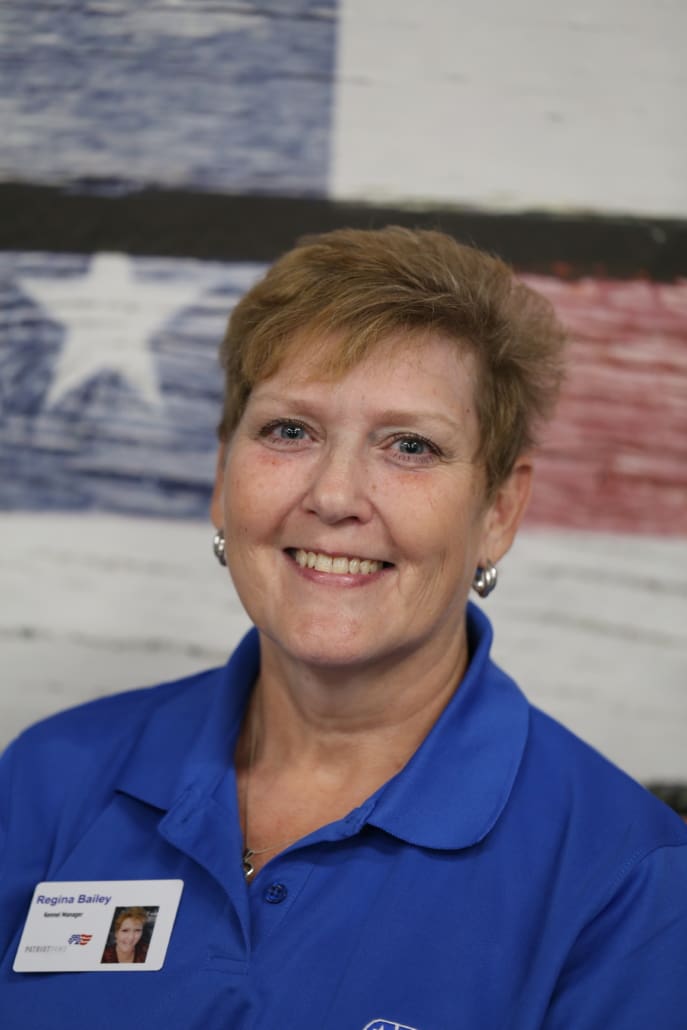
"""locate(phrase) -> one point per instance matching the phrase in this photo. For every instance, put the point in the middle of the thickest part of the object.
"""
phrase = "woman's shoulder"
(59, 775)
(121, 712)
(53, 759)
(595, 799)
(105, 719)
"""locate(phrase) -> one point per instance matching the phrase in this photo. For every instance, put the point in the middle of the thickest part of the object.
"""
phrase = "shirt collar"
(449, 795)
(188, 741)
(454, 788)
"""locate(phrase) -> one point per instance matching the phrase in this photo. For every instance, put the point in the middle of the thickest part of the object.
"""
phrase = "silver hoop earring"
(485, 579)
(218, 546)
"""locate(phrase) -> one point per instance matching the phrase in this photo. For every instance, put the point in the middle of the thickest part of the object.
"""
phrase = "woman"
(128, 944)
(373, 827)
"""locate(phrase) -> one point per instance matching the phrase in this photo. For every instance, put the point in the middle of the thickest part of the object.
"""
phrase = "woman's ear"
(217, 502)
(505, 512)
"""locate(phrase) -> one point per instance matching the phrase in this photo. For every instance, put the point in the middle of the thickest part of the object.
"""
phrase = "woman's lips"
(338, 565)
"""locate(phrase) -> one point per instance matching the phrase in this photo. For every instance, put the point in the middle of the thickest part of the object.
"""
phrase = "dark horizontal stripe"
(178, 223)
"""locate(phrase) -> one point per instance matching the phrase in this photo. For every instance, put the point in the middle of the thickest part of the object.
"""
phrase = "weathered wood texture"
(591, 626)
(108, 387)
(111, 386)
(129, 425)
(494, 105)
(513, 106)
(110, 95)
(615, 457)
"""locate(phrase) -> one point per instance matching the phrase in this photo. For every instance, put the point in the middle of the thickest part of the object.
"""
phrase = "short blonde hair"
(364, 286)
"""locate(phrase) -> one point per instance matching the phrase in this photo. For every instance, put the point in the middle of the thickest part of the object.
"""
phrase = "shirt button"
(275, 893)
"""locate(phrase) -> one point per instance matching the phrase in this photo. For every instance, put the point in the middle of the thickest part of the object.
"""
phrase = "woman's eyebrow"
(416, 416)
(392, 416)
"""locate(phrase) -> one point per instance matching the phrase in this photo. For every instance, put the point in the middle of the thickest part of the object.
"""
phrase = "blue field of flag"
(232, 97)
(110, 387)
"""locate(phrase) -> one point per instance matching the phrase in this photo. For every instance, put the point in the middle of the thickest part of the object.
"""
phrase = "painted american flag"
(109, 387)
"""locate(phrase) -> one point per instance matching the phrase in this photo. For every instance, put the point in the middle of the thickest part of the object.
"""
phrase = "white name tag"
(111, 926)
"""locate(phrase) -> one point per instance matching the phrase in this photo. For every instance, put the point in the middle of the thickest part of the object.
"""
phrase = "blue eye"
(415, 449)
(284, 431)
(290, 431)
(410, 445)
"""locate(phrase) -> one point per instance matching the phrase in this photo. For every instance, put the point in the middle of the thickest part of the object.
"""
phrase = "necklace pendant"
(247, 865)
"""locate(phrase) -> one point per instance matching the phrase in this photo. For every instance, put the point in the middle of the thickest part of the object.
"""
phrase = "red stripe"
(615, 458)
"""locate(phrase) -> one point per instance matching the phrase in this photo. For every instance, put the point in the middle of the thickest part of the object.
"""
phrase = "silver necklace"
(248, 852)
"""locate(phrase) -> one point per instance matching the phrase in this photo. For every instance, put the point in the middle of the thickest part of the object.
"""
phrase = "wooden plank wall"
(550, 136)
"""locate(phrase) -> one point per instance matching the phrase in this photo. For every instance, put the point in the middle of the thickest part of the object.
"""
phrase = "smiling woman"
(326, 468)
(128, 941)
(368, 816)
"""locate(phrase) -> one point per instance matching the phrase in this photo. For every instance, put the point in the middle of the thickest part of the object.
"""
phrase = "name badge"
(111, 926)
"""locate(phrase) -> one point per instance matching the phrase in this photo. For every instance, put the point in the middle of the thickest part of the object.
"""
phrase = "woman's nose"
(340, 487)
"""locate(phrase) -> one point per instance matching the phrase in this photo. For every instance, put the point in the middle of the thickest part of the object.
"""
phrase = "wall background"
(156, 155)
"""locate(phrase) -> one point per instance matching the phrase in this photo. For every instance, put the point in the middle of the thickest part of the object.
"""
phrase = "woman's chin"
(325, 648)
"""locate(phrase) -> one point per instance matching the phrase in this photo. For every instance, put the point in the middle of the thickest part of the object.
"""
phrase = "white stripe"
(513, 106)
(592, 626)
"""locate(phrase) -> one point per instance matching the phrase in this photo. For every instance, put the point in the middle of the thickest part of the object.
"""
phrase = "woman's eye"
(284, 431)
(415, 449)
(412, 446)
(289, 431)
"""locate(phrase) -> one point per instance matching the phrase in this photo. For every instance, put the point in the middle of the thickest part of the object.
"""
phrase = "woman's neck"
(337, 718)
(315, 743)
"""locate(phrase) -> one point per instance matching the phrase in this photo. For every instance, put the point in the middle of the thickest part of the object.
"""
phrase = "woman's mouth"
(340, 565)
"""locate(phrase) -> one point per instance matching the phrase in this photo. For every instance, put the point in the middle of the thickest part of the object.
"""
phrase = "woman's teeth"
(339, 566)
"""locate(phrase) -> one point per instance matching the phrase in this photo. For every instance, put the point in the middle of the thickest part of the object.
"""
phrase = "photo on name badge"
(130, 933)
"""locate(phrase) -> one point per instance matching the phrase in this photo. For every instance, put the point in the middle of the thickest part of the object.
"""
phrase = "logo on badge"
(80, 938)
(386, 1024)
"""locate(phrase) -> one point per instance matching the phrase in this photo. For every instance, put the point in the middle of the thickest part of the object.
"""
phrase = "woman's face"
(128, 935)
(371, 478)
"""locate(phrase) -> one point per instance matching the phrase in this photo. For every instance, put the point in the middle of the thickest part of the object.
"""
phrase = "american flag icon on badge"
(80, 938)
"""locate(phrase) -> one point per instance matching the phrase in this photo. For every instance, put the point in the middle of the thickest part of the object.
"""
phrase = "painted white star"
(109, 316)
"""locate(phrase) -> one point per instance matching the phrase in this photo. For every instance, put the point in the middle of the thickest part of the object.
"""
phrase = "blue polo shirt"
(508, 876)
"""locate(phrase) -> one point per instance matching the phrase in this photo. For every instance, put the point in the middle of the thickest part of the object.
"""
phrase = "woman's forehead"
(313, 355)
